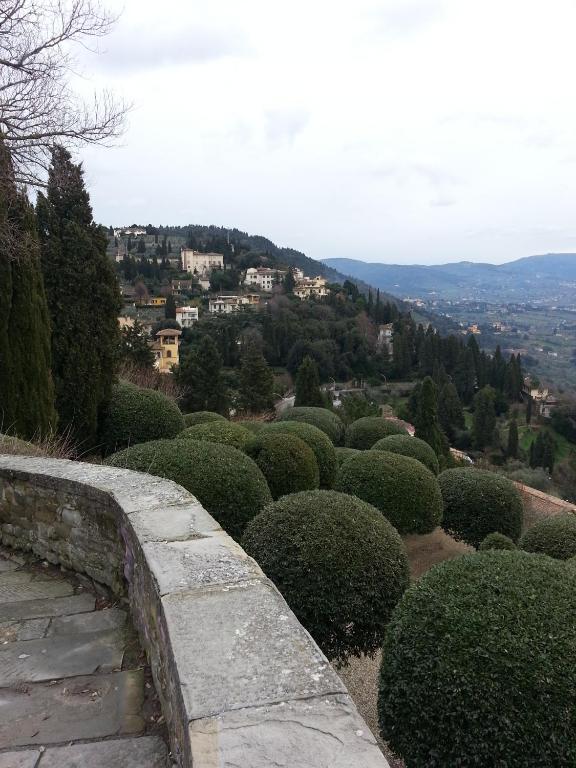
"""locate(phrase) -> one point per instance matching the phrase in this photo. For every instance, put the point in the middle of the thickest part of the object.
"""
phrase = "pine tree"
(512, 450)
(201, 375)
(256, 381)
(308, 384)
(289, 283)
(83, 300)
(484, 422)
(450, 411)
(426, 423)
(26, 387)
(170, 308)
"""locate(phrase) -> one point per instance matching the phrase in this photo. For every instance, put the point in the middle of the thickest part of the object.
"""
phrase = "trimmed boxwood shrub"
(328, 422)
(343, 454)
(202, 417)
(225, 481)
(496, 541)
(364, 432)
(315, 439)
(403, 489)
(136, 415)
(252, 425)
(222, 432)
(479, 665)
(410, 446)
(477, 502)
(287, 463)
(555, 537)
(340, 565)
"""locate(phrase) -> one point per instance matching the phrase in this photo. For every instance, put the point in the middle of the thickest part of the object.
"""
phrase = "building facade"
(264, 277)
(186, 316)
(311, 286)
(200, 263)
(166, 349)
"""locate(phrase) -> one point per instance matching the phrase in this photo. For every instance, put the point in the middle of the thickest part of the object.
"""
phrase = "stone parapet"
(241, 682)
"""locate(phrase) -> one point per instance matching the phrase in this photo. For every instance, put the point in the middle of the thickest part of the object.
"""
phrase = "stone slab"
(110, 618)
(145, 752)
(179, 566)
(91, 707)
(178, 522)
(7, 565)
(19, 585)
(25, 759)
(54, 658)
(241, 646)
(30, 629)
(35, 609)
(315, 733)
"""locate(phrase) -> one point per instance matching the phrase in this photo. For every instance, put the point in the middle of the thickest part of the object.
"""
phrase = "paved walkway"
(74, 690)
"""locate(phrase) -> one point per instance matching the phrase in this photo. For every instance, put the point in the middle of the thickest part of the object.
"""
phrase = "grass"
(527, 435)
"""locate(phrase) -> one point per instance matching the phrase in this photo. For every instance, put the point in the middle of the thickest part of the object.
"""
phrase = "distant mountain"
(550, 277)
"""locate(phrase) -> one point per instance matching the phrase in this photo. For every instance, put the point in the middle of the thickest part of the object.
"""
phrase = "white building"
(385, 336)
(224, 305)
(186, 316)
(127, 231)
(311, 286)
(200, 263)
(264, 277)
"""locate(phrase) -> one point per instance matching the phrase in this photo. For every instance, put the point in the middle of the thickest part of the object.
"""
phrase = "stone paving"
(74, 692)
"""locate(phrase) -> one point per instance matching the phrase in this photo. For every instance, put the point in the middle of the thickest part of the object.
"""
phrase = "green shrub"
(136, 415)
(479, 665)
(343, 454)
(410, 446)
(202, 417)
(496, 541)
(364, 432)
(403, 489)
(225, 481)
(252, 425)
(340, 565)
(555, 537)
(286, 462)
(325, 420)
(222, 432)
(315, 439)
(477, 502)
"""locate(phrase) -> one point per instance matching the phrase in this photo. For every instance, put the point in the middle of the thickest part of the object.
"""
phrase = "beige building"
(166, 350)
(186, 316)
(311, 286)
(264, 277)
(200, 263)
(224, 305)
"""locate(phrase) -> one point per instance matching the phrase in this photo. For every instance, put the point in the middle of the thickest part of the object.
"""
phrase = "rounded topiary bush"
(479, 665)
(496, 541)
(222, 432)
(325, 420)
(340, 565)
(555, 537)
(343, 454)
(225, 481)
(477, 502)
(364, 432)
(136, 415)
(287, 463)
(315, 439)
(410, 446)
(202, 417)
(252, 425)
(403, 489)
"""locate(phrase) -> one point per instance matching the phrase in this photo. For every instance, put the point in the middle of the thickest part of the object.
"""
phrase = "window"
(168, 353)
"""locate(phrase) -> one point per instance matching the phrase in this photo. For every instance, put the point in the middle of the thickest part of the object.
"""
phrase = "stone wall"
(242, 683)
(538, 505)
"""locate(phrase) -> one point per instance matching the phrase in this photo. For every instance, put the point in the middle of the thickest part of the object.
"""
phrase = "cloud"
(405, 17)
(404, 173)
(442, 202)
(283, 125)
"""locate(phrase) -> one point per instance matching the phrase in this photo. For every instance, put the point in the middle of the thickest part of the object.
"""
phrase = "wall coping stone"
(242, 683)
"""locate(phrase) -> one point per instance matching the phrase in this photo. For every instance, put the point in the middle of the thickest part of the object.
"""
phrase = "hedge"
(252, 425)
(403, 489)
(496, 541)
(222, 432)
(340, 565)
(477, 502)
(328, 422)
(364, 432)
(136, 415)
(286, 462)
(343, 454)
(225, 481)
(315, 439)
(202, 417)
(479, 665)
(555, 537)
(410, 446)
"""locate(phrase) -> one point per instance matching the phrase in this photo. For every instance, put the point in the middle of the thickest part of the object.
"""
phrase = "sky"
(399, 131)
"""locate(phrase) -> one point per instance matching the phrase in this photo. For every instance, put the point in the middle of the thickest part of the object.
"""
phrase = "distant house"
(186, 316)
(126, 322)
(311, 286)
(200, 263)
(165, 349)
(264, 277)
(157, 301)
(132, 231)
(182, 286)
(385, 336)
(225, 305)
(543, 400)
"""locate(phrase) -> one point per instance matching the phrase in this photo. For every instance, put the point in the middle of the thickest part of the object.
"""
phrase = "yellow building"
(165, 349)
(157, 301)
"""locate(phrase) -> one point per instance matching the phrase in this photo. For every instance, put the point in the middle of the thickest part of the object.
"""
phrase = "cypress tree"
(83, 300)
(529, 410)
(201, 375)
(26, 388)
(170, 308)
(484, 418)
(308, 384)
(512, 450)
(450, 411)
(426, 423)
(256, 381)
(465, 376)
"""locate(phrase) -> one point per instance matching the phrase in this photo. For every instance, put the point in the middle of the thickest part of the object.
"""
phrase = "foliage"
(225, 481)
(554, 536)
(565, 477)
(256, 381)
(426, 422)
(484, 422)
(364, 432)
(136, 415)
(202, 417)
(252, 425)
(201, 375)
(355, 407)
(170, 308)
(542, 451)
(308, 393)
(496, 541)
(410, 446)
(222, 432)
(535, 478)
(322, 418)
(402, 488)
(315, 439)
(134, 346)
(340, 565)
(512, 449)
(477, 502)
(563, 419)
(343, 454)
(479, 665)
(287, 463)
(450, 411)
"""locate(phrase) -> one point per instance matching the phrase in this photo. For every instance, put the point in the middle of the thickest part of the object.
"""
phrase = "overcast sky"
(385, 130)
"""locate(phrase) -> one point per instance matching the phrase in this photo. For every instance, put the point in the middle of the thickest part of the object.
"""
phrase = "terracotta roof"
(169, 332)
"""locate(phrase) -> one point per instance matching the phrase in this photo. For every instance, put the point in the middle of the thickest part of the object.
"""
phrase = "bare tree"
(39, 107)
